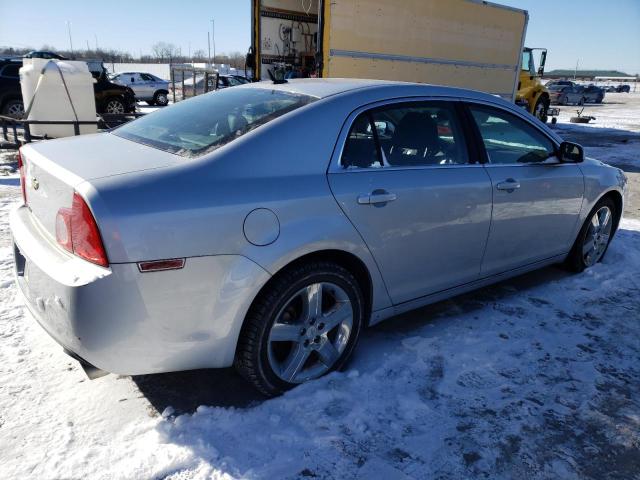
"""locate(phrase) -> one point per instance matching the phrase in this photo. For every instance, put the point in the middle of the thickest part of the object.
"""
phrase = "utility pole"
(209, 43)
(213, 38)
(575, 73)
(69, 31)
(88, 46)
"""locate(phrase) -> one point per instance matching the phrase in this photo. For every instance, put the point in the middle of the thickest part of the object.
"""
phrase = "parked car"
(623, 89)
(10, 94)
(592, 94)
(266, 225)
(44, 54)
(242, 79)
(147, 87)
(224, 81)
(564, 83)
(110, 97)
(566, 94)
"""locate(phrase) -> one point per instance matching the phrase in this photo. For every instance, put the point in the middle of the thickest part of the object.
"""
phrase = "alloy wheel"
(15, 110)
(597, 236)
(310, 332)
(115, 106)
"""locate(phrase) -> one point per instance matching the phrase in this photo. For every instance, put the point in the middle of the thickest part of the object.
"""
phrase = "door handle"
(509, 185)
(376, 197)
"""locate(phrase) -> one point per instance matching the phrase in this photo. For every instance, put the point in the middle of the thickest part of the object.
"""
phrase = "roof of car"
(326, 87)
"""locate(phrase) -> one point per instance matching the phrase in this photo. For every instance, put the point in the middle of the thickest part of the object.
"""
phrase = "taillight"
(77, 232)
(23, 183)
(63, 229)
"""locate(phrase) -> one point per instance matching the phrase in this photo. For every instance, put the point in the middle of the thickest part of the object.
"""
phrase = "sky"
(598, 34)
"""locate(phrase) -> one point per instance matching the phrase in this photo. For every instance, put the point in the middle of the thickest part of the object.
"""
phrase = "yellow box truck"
(464, 43)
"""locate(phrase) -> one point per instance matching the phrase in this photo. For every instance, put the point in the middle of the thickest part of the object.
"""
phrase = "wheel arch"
(347, 260)
(618, 202)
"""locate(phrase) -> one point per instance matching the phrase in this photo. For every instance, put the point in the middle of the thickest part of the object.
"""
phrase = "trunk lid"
(54, 168)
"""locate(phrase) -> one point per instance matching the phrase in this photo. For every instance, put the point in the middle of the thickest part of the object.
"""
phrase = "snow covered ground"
(536, 378)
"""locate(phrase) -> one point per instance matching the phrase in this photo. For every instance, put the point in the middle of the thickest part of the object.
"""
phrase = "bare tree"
(165, 51)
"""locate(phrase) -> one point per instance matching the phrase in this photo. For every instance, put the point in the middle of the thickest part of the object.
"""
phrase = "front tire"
(594, 237)
(303, 325)
(541, 109)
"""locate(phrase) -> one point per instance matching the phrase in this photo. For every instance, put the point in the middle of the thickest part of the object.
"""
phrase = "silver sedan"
(264, 226)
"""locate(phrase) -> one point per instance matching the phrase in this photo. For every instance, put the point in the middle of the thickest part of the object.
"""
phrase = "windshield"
(202, 124)
(557, 87)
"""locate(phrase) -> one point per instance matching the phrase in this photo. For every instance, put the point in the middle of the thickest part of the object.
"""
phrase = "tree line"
(161, 52)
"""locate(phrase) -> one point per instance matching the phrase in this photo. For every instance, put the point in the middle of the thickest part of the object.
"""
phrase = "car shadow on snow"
(186, 391)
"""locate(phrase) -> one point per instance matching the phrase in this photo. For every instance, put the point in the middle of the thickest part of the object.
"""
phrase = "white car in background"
(147, 87)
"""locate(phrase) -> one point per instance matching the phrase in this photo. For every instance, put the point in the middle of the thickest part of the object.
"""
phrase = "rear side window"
(202, 124)
(360, 149)
(147, 78)
(509, 139)
(406, 135)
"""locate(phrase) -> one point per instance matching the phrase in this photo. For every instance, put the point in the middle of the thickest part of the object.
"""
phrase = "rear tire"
(595, 235)
(312, 338)
(161, 99)
(13, 108)
(114, 105)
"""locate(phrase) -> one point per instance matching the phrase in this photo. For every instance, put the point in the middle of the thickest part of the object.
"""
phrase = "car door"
(149, 85)
(134, 81)
(418, 197)
(536, 198)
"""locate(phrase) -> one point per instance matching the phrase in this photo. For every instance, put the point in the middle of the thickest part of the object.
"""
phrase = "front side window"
(527, 64)
(509, 139)
(204, 123)
(406, 135)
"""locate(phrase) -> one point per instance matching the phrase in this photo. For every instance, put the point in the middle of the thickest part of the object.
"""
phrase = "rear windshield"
(204, 123)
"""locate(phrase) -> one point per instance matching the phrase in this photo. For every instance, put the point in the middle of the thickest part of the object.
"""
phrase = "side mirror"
(571, 152)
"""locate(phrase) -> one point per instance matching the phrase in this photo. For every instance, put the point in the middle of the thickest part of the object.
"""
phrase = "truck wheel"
(161, 99)
(540, 110)
(13, 108)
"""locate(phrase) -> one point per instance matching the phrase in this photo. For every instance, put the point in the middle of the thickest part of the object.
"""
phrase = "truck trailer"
(463, 43)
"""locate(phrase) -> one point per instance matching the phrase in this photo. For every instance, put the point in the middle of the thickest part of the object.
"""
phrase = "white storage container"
(58, 90)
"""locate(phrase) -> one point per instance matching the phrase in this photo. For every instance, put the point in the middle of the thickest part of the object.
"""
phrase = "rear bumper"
(123, 321)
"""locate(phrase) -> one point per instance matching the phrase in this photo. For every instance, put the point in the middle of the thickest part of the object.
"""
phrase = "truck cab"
(532, 94)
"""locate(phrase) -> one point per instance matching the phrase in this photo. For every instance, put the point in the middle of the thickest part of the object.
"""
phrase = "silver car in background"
(266, 225)
(147, 87)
